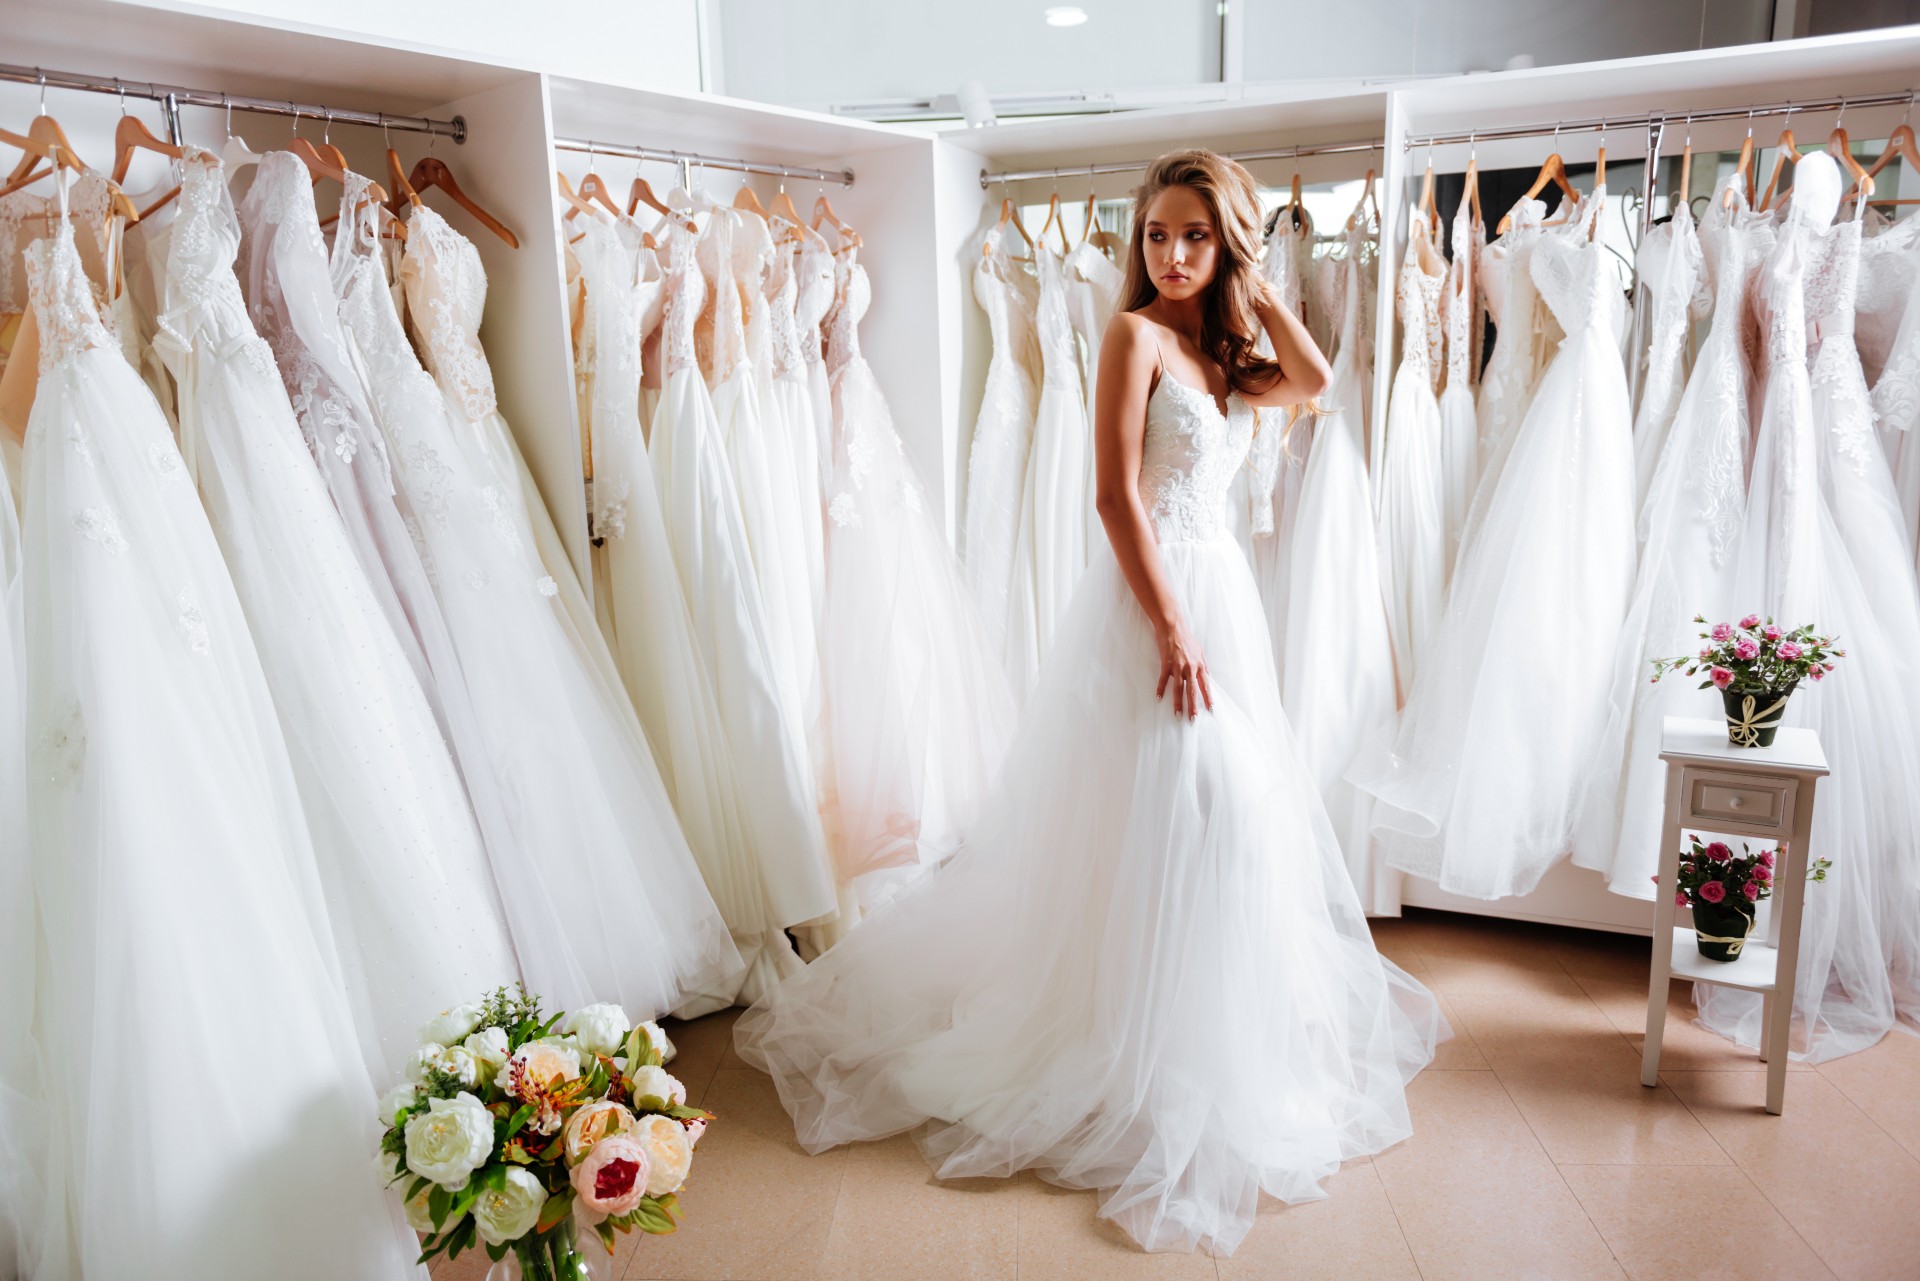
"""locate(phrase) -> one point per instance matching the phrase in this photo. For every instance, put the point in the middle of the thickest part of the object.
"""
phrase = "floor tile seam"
(1841, 1090)
(1658, 1085)
(1394, 1210)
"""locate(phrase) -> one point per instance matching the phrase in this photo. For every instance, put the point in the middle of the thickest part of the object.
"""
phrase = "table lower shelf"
(1754, 970)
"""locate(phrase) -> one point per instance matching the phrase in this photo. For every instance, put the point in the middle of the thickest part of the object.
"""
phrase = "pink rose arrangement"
(1713, 875)
(1755, 656)
(514, 1129)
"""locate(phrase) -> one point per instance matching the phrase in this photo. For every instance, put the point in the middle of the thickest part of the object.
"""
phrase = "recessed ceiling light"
(1066, 15)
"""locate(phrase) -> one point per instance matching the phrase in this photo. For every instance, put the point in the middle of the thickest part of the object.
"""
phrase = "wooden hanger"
(823, 212)
(1743, 166)
(1010, 214)
(782, 205)
(403, 192)
(1472, 182)
(132, 135)
(1554, 171)
(1900, 146)
(1296, 209)
(431, 171)
(1427, 204)
(746, 199)
(1055, 222)
(36, 151)
(1789, 153)
(46, 131)
(321, 166)
(1686, 166)
(575, 205)
(1366, 198)
(1840, 147)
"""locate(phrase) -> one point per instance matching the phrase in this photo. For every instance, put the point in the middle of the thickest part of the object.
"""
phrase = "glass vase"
(557, 1254)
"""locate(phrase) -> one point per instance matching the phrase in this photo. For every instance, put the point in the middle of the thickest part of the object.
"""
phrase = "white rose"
(657, 1083)
(669, 1153)
(426, 1056)
(488, 1047)
(450, 1140)
(600, 1028)
(403, 1095)
(506, 1213)
(571, 1044)
(449, 1027)
(420, 1216)
(661, 1045)
(461, 1065)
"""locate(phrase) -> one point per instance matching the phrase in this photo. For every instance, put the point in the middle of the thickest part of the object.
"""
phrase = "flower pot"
(557, 1254)
(1721, 930)
(1753, 715)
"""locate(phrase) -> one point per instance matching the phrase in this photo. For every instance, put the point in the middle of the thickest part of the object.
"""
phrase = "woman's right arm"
(1128, 362)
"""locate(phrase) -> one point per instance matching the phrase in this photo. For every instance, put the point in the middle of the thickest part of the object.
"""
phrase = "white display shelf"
(1754, 969)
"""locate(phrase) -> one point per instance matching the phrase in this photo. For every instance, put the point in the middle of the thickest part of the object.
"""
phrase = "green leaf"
(558, 1207)
(606, 1232)
(498, 1252)
(519, 1119)
(415, 1188)
(439, 1201)
(650, 1217)
(681, 1112)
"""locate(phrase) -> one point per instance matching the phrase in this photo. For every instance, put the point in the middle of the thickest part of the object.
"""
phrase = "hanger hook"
(1556, 137)
(1689, 129)
(228, 104)
(326, 130)
(43, 89)
(1750, 112)
(296, 116)
(123, 94)
(783, 180)
(386, 135)
(1473, 147)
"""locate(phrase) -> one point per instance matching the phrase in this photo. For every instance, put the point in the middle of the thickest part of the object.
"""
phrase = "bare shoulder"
(1130, 339)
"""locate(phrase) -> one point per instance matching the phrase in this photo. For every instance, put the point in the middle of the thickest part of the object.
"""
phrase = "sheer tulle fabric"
(23, 1133)
(416, 920)
(1671, 264)
(919, 713)
(1146, 973)
(602, 895)
(1459, 423)
(1481, 785)
(1690, 525)
(1413, 565)
(1822, 544)
(186, 931)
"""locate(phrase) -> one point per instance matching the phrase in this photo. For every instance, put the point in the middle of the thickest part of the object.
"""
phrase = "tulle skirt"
(1411, 531)
(1052, 547)
(996, 487)
(1145, 973)
(1459, 465)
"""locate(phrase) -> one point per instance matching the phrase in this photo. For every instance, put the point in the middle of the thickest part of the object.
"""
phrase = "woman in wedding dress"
(415, 915)
(1482, 783)
(1146, 972)
(188, 955)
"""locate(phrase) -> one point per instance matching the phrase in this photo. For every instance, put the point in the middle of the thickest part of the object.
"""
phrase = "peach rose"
(592, 1123)
(669, 1152)
(614, 1176)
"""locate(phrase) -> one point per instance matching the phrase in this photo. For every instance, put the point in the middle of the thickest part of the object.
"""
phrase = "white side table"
(1761, 792)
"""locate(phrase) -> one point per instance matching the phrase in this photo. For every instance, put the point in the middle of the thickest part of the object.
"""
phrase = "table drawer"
(1741, 799)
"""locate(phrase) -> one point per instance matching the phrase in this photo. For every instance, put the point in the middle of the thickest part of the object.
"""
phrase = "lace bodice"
(1460, 313)
(609, 356)
(686, 294)
(843, 322)
(783, 297)
(1059, 367)
(721, 335)
(1289, 259)
(202, 295)
(62, 298)
(1890, 268)
(1418, 296)
(1009, 296)
(1832, 276)
(1574, 277)
(1669, 266)
(367, 309)
(446, 289)
(813, 269)
(1189, 458)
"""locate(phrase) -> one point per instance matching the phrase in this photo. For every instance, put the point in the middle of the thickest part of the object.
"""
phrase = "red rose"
(1719, 852)
(1712, 891)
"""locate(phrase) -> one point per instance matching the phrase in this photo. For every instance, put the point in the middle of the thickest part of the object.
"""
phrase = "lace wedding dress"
(918, 705)
(1093, 290)
(1670, 265)
(186, 934)
(1482, 784)
(1409, 488)
(1889, 329)
(1690, 522)
(1525, 334)
(1146, 973)
(790, 312)
(1051, 550)
(709, 544)
(416, 919)
(1822, 544)
(1459, 423)
(22, 1121)
(603, 899)
(1002, 441)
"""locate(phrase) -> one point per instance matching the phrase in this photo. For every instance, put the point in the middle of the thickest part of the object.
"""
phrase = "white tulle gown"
(918, 708)
(22, 1122)
(188, 954)
(1336, 665)
(1459, 422)
(702, 515)
(1409, 487)
(1671, 266)
(1486, 772)
(1689, 538)
(1051, 550)
(1822, 545)
(797, 299)
(1002, 441)
(416, 918)
(603, 899)
(659, 653)
(1093, 290)
(1888, 332)
(1146, 973)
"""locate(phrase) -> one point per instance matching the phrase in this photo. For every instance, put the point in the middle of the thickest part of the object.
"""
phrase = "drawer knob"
(1735, 802)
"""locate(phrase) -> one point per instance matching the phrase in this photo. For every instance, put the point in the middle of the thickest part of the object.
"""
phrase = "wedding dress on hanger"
(1336, 662)
(1822, 545)
(23, 1129)
(603, 899)
(709, 544)
(416, 918)
(791, 310)
(1002, 441)
(188, 953)
(1146, 972)
(1890, 328)
(1268, 487)
(1481, 786)
(1670, 269)
(1094, 282)
(918, 703)
(660, 656)
(1408, 492)
(1052, 546)
(1459, 423)
(1689, 533)
(1525, 334)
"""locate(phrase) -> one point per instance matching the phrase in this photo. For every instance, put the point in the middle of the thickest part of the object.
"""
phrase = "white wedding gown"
(1481, 786)
(602, 896)
(659, 653)
(416, 918)
(1409, 488)
(1093, 290)
(1002, 442)
(1146, 972)
(1889, 327)
(1525, 335)
(1690, 522)
(797, 299)
(1822, 545)
(187, 948)
(1671, 265)
(702, 516)
(919, 712)
(22, 1121)
(1459, 423)
(1052, 547)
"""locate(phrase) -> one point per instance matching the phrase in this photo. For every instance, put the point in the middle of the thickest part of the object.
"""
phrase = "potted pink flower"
(1724, 890)
(1756, 665)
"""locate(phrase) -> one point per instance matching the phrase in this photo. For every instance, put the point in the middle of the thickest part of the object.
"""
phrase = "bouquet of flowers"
(511, 1126)
(1724, 890)
(1755, 665)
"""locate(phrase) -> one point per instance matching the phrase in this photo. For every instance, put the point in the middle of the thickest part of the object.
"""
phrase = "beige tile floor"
(1536, 1154)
